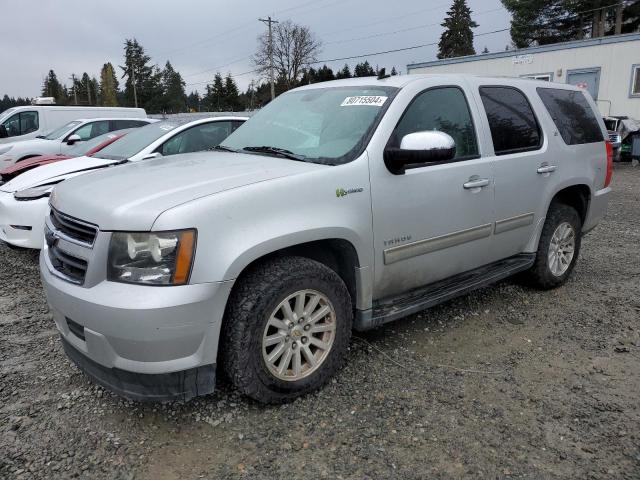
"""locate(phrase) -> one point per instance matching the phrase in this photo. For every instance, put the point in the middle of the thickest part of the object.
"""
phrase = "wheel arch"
(576, 195)
(339, 254)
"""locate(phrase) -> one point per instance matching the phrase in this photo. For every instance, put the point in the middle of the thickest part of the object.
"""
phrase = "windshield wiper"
(276, 151)
(224, 149)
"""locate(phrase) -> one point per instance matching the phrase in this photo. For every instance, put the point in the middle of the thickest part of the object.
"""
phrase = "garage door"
(588, 79)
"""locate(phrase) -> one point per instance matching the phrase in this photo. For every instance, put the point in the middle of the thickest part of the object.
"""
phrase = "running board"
(398, 306)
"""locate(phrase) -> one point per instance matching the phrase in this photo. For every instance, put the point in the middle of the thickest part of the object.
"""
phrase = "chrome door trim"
(512, 223)
(429, 245)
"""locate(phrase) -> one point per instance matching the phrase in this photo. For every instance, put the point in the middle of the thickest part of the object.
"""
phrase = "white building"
(608, 67)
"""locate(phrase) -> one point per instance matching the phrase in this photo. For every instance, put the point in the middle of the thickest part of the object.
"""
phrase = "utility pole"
(268, 21)
(89, 91)
(75, 94)
(133, 80)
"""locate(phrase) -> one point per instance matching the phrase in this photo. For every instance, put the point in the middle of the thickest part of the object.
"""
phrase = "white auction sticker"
(372, 100)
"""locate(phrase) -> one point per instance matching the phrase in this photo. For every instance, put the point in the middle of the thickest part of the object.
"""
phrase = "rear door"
(436, 220)
(523, 169)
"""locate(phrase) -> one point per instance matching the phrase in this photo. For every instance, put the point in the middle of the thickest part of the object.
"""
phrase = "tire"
(542, 275)
(258, 303)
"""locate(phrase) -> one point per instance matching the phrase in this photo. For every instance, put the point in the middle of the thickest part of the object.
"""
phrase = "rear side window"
(513, 124)
(122, 124)
(572, 115)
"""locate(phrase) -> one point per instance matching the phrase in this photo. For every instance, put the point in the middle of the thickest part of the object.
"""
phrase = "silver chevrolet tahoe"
(340, 205)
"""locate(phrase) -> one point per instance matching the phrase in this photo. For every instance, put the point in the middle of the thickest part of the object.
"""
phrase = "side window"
(635, 81)
(21, 123)
(28, 122)
(198, 138)
(93, 129)
(122, 124)
(12, 124)
(513, 125)
(444, 109)
(572, 115)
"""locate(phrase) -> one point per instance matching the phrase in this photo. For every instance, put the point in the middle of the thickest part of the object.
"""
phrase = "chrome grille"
(73, 229)
(69, 267)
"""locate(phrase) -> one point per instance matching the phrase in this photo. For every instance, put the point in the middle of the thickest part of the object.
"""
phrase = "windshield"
(135, 141)
(59, 132)
(80, 149)
(323, 125)
(5, 113)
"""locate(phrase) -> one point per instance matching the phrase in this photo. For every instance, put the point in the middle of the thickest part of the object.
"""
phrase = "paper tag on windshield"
(371, 100)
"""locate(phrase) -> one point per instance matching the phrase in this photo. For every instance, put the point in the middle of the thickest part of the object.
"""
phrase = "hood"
(54, 173)
(33, 162)
(132, 196)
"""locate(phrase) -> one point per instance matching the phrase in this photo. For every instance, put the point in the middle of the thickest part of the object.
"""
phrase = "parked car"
(64, 138)
(24, 123)
(81, 149)
(339, 205)
(24, 200)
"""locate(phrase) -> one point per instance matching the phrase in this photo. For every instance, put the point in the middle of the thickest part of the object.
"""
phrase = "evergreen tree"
(108, 86)
(394, 72)
(363, 70)
(231, 94)
(486, 50)
(457, 39)
(344, 73)
(85, 92)
(136, 64)
(214, 98)
(175, 97)
(541, 22)
(193, 102)
(53, 88)
(325, 74)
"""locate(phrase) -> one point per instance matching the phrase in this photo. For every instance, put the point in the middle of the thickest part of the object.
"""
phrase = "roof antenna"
(382, 74)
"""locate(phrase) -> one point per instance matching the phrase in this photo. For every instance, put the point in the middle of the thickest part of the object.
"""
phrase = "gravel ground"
(504, 383)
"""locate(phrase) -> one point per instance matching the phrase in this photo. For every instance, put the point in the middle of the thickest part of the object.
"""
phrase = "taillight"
(607, 178)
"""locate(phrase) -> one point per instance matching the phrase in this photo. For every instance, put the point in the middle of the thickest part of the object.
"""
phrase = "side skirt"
(405, 304)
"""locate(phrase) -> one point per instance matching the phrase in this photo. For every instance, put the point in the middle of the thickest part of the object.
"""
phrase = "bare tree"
(295, 47)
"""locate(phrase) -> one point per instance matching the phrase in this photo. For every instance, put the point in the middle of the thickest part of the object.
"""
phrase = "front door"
(436, 220)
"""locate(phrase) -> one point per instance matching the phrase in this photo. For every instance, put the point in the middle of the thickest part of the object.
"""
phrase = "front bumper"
(22, 222)
(161, 387)
(153, 337)
(597, 209)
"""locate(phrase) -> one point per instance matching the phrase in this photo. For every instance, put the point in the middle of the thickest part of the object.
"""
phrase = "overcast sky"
(202, 36)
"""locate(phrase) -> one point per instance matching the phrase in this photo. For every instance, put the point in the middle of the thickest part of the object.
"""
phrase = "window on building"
(545, 77)
(635, 81)
(572, 115)
(513, 125)
(443, 109)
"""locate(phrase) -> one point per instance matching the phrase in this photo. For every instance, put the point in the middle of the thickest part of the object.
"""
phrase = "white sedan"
(24, 201)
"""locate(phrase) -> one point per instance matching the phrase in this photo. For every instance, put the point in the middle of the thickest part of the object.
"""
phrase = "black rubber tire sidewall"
(540, 274)
(251, 305)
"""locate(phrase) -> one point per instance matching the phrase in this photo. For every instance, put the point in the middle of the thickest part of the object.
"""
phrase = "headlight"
(4, 150)
(157, 258)
(34, 193)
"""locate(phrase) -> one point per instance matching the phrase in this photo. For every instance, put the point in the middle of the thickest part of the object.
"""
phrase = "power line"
(217, 67)
(383, 34)
(232, 76)
(413, 47)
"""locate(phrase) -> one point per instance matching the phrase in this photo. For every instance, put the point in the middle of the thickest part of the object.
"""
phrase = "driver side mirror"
(73, 139)
(3, 132)
(419, 148)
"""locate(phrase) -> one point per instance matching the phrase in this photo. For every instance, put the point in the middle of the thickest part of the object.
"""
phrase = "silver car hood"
(54, 172)
(132, 196)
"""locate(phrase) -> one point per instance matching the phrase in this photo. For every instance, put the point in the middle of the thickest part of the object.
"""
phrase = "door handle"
(476, 183)
(546, 168)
